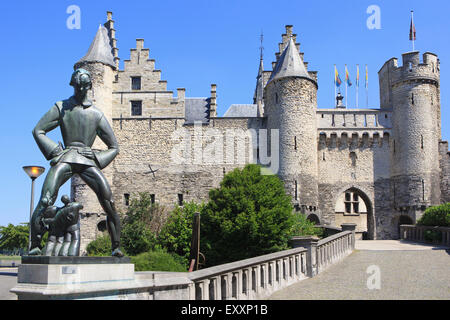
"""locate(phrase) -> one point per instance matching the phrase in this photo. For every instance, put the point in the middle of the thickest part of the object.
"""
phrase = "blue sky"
(195, 43)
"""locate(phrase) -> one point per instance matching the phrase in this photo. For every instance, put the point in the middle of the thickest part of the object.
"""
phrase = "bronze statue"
(63, 225)
(80, 124)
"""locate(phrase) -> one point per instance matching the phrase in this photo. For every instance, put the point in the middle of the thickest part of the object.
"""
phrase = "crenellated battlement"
(412, 69)
(354, 119)
(352, 139)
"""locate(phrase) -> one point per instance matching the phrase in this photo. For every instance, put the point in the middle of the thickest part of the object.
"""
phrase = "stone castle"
(378, 168)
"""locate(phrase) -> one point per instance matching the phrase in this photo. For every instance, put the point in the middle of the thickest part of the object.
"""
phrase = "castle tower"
(290, 100)
(100, 62)
(412, 92)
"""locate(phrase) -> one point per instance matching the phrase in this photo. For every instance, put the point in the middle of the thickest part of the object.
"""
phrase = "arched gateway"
(354, 206)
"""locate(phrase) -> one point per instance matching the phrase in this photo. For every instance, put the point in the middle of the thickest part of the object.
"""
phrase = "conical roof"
(290, 64)
(100, 49)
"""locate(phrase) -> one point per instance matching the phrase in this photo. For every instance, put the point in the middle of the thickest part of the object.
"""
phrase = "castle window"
(351, 203)
(423, 190)
(421, 141)
(295, 143)
(412, 98)
(180, 199)
(126, 198)
(136, 108)
(135, 83)
(385, 116)
(323, 156)
(410, 66)
(276, 97)
(353, 158)
(152, 198)
(296, 190)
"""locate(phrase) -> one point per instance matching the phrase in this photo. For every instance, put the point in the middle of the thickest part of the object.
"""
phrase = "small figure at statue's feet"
(117, 253)
(35, 252)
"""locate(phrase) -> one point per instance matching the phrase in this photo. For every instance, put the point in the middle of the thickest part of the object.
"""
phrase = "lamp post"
(33, 172)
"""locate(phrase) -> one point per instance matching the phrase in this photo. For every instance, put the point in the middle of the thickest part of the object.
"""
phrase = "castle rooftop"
(290, 64)
(100, 49)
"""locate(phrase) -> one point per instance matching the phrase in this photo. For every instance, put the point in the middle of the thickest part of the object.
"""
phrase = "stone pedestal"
(47, 278)
(350, 227)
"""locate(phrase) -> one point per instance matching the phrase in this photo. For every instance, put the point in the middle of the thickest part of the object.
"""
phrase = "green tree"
(248, 215)
(176, 234)
(138, 234)
(14, 237)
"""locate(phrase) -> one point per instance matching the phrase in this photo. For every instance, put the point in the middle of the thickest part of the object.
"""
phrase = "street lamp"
(33, 172)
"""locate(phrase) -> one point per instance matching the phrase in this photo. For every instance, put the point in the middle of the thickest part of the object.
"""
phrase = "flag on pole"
(337, 78)
(357, 75)
(357, 85)
(347, 77)
(412, 28)
(367, 78)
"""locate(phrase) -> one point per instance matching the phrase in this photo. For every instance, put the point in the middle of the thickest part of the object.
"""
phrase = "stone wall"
(189, 160)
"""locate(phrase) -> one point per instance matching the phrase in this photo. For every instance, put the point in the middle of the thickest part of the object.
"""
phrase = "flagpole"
(413, 36)
(367, 88)
(334, 75)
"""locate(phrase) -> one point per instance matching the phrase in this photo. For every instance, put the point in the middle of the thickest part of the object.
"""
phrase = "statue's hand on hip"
(88, 153)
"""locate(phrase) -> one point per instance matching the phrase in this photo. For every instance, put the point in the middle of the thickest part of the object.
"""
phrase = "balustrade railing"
(259, 277)
(436, 235)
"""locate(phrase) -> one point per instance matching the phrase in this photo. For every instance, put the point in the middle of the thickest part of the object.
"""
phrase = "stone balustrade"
(253, 278)
(417, 233)
(259, 277)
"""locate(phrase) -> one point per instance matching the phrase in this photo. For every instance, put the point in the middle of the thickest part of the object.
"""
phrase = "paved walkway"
(8, 280)
(406, 271)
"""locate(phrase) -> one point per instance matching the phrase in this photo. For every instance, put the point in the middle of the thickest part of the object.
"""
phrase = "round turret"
(290, 106)
(413, 96)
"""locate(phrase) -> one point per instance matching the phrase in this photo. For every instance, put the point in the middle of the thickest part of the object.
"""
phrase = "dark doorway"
(403, 220)
(313, 218)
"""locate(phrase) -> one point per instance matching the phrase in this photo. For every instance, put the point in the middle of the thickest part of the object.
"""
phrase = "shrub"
(176, 235)
(433, 235)
(158, 260)
(100, 246)
(247, 216)
(436, 216)
(303, 227)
